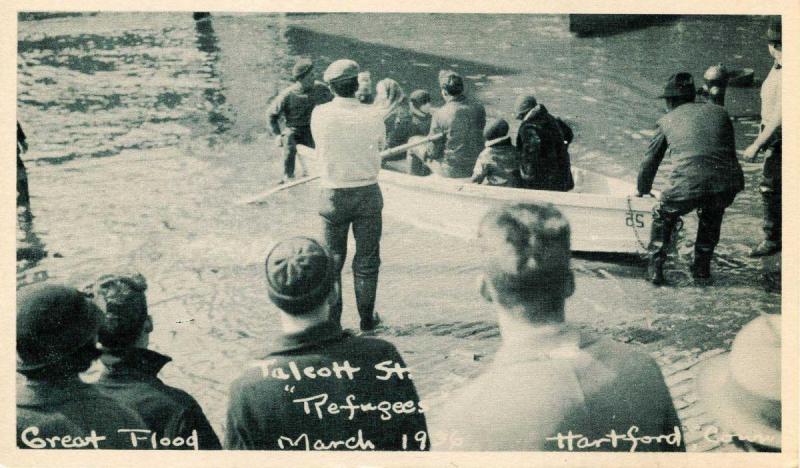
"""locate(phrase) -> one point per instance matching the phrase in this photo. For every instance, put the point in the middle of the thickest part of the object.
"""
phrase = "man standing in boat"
(543, 141)
(349, 137)
(461, 120)
(706, 175)
(295, 104)
(769, 140)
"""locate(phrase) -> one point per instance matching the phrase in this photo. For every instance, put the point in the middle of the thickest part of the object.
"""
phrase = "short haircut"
(345, 87)
(124, 305)
(526, 254)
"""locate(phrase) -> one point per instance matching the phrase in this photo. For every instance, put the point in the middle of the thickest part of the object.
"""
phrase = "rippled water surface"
(144, 128)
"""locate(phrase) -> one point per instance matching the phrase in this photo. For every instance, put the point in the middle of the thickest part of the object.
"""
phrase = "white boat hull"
(604, 215)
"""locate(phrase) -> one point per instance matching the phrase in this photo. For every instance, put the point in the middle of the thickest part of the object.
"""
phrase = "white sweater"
(348, 136)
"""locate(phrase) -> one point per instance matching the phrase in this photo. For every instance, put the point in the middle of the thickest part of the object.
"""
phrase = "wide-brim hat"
(739, 400)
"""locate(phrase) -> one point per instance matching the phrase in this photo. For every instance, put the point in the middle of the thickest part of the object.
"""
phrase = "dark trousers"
(710, 210)
(359, 207)
(770, 188)
(291, 137)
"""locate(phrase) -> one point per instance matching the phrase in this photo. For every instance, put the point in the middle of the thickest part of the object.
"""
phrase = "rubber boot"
(660, 240)
(366, 289)
(772, 226)
(335, 310)
(701, 267)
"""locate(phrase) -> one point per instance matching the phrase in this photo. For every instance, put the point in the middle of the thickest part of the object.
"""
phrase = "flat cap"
(301, 68)
(340, 70)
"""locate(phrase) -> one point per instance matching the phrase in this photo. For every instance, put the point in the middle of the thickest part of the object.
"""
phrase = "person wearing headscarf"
(391, 100)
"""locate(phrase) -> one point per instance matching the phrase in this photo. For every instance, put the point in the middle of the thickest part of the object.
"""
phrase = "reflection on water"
(207, 43)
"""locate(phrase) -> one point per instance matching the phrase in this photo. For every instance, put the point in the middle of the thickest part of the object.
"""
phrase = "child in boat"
(498, 163)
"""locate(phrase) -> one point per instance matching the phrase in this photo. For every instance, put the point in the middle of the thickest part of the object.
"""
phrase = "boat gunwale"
(464, 188)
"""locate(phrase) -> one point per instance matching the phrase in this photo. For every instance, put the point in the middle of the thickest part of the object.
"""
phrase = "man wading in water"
(770, 139)
(349, 136)
(295, 104)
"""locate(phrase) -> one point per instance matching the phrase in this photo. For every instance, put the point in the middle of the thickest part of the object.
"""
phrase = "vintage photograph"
(407, 232)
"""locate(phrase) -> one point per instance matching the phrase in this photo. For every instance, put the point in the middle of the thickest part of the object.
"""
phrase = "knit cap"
(299, 275)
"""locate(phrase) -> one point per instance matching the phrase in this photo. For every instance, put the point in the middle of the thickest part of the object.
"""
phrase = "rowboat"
(603, 213)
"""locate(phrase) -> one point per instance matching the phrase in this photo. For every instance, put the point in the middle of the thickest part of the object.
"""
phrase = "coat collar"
(535, 114)
(132, 362)
(316, 335)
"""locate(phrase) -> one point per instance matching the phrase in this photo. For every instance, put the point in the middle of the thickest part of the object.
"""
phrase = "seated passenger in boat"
(461, 121)
(420, 106)
(543, 141)
(498, 163)
(390, 100)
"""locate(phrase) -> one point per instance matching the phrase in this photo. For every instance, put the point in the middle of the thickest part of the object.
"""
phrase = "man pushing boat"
(706, 175)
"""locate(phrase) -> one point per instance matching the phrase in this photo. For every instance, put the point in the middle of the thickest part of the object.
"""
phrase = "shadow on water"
(409, 68)
(609, 25)
(30, 249)
(208, 43)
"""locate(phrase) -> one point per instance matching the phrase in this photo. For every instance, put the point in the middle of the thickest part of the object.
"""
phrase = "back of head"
(121, 299)
(526, 255)
(300, 275)
(420, 97)
(388, 93)
(680, 89)
(495, 129)
(56, 331)
(342, 77)
(451, 82)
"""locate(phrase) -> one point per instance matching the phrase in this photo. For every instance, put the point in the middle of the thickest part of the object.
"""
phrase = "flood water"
(144, 128)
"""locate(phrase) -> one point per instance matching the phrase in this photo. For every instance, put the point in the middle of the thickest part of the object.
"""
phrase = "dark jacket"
(420, 122)
(701, 143)
(398, 126)
(557, 380)
(131, 377)
(70, 408)
(265, 411)
(295, 105)
(543, 141)
(462, 121)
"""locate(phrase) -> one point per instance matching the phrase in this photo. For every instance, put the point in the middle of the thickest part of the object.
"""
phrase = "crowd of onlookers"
(550, 386)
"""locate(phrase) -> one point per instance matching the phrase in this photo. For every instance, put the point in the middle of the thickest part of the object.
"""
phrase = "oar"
(305, 150)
